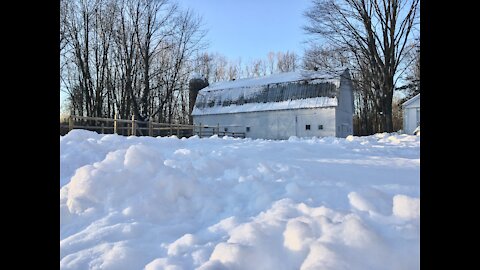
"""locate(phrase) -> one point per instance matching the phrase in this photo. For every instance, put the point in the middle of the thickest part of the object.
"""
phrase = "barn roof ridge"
(284, 77)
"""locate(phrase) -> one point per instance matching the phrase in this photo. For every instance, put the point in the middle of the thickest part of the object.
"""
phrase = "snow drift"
(224, 203)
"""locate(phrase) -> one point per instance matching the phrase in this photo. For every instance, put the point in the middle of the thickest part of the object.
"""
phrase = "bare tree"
(127, 57)
(185, 42)
(204, 65)
(151, 29)
(271, 62)
(216, 67)
(76, 30)
(220, 68)
(258, 68)
(397, 113)
(325, 57)
(234, 69)
(377, 33)
(412, 75)
(287, 61)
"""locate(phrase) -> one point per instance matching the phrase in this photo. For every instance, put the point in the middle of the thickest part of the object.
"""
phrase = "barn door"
(304, 125)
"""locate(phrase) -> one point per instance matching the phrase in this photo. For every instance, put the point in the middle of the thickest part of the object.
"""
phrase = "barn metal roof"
(291, 90)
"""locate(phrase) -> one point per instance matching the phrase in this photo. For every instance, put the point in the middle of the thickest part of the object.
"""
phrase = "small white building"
(301, 103)
(411, 114)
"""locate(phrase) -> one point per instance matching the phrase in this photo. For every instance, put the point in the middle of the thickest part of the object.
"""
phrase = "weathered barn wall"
(276, 124)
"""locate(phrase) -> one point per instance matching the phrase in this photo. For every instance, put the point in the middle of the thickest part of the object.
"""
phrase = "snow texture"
(317, 102)
(229, 203)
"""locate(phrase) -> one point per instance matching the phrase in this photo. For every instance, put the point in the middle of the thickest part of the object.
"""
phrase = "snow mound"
(406, 207)
(225, 203)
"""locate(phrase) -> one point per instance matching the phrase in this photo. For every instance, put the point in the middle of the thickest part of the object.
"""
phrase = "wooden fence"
(142, 128)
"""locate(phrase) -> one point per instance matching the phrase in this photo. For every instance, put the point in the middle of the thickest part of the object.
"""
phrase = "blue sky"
(251, 28)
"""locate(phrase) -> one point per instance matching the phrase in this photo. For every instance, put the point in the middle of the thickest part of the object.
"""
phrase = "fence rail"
(143, 128)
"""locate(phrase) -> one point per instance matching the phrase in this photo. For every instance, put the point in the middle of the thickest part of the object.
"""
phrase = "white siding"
(411, 116)
(276, 124)
(410, 119)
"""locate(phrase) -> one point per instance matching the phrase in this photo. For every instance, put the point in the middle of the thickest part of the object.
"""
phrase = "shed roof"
(290, 90)
(410, 101)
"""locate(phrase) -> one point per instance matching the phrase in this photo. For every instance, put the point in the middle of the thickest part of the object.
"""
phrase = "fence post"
(115, 124)
(200, 131)
(218, 129)
(171, 131)
(178, 131)
(134, 131)
(70, 123)
(150, 129)
(103, 130)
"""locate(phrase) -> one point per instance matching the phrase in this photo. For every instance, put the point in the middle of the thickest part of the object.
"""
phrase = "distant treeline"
(128, 57)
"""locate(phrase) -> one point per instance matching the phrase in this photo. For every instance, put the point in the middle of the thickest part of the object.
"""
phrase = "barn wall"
(344, 111)
(276, 124)
(314, 118)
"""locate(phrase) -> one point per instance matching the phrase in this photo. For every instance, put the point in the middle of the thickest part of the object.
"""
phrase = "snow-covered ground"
(224, 203)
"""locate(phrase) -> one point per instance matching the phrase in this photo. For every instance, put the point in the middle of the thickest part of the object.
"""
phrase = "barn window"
(248, 129)
(307, 127)
(320, 126)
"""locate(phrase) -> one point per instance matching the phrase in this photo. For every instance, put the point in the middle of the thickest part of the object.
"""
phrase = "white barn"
(411, 114)
(301, 103)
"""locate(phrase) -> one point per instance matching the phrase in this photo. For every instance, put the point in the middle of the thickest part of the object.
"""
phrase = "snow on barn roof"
(289, 90)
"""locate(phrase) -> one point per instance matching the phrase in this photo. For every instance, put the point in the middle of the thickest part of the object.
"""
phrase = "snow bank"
(224, 203)
(406, 207)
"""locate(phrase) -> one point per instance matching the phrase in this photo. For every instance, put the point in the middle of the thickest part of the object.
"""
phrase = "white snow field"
(224, 203)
